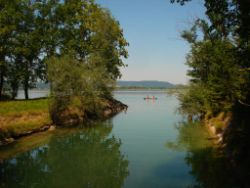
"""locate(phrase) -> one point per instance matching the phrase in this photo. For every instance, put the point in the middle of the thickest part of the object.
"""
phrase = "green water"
(148, 146)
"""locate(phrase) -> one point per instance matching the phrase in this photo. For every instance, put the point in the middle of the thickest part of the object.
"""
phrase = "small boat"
(150, 98)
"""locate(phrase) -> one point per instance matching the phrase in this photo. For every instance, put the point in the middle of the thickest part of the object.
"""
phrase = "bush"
(77, 91)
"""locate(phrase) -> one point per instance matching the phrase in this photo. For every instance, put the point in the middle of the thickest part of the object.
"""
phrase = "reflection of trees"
(14, 172)
(191, 137)
(83, 158)
(209, 167)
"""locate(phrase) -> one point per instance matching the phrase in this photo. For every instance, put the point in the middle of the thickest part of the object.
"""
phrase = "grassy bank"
(24, 117)
(19, 117)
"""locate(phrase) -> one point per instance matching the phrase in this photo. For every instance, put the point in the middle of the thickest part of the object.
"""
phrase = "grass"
(23, 106)
(22, 116)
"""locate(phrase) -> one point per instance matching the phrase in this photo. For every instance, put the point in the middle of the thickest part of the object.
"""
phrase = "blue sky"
(152, 27)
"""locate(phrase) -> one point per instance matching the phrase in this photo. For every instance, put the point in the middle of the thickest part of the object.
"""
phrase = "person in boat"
(153, 97)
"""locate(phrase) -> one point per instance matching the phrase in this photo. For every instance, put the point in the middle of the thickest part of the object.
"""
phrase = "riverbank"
(232, 132)
(24, 117)
(20, 118)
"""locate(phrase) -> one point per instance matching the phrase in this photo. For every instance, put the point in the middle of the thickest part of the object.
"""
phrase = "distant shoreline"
(43, 93)
(139, 89)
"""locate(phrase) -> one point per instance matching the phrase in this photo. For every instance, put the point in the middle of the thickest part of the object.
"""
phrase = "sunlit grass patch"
(23, 106)
(17, 117)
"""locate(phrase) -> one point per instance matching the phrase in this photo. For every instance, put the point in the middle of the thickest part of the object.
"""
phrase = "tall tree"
(107, 42)
(8, 17)
(34, 30)
(229, 57)
(49, 23)
(231, 20)
(95, 44)
(94, 37)
(28, 46)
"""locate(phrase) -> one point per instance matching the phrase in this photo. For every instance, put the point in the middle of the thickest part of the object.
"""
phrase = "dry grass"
(17, 117)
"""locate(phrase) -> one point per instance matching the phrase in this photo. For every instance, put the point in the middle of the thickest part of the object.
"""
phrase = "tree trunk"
(2, 72)
(190, 118)
(26, 87)
(1, 83)
(26, 82)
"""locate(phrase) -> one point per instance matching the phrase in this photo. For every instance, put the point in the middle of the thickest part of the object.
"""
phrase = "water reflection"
(210, 168)
(84, 158)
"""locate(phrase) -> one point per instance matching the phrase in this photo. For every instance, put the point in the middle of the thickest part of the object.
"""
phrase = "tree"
(76, 90)
(8, 17)
(41, 29)
(28, 45)
(92, 34)
(231, 21)
(227, 55)
(215, 76)
(107, 43)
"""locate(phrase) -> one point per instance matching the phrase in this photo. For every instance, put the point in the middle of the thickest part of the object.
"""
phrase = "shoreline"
(11, 132)
(43, 93)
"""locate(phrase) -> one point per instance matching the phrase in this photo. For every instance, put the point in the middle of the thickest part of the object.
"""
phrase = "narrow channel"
(150, 145)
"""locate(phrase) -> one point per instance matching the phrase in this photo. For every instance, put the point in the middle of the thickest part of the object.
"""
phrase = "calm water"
(34, 93)
(148, 146)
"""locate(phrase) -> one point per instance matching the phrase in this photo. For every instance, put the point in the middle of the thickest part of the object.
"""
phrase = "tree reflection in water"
(82, 158)
(210, 168)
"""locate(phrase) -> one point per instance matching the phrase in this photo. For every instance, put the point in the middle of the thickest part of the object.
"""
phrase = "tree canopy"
(34, 31)
(220, 74)
(219, 61)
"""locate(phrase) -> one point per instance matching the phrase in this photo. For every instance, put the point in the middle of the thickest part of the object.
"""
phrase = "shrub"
(77, 90)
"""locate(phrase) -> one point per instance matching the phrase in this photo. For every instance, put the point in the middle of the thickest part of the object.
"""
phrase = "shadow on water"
(209, 167)
(88, 157)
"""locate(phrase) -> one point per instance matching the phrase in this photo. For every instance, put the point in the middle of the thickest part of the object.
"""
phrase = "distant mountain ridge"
(145, 84)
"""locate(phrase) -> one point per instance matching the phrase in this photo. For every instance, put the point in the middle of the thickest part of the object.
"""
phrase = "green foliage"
(33, 31)
(216, 78)
(21, 45)
(107, 43)
(219, 62)
(76, 89)
(7, 27)
(192, 101)
(226, 76)
(82, 81)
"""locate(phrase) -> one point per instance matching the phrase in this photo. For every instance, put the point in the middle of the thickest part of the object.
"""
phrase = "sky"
(152, 28)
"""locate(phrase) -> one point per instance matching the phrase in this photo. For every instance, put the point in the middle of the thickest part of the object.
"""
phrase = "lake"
(34, 93)
(150, 145)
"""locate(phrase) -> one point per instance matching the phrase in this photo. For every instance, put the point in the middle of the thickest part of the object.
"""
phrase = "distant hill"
(145, 84)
